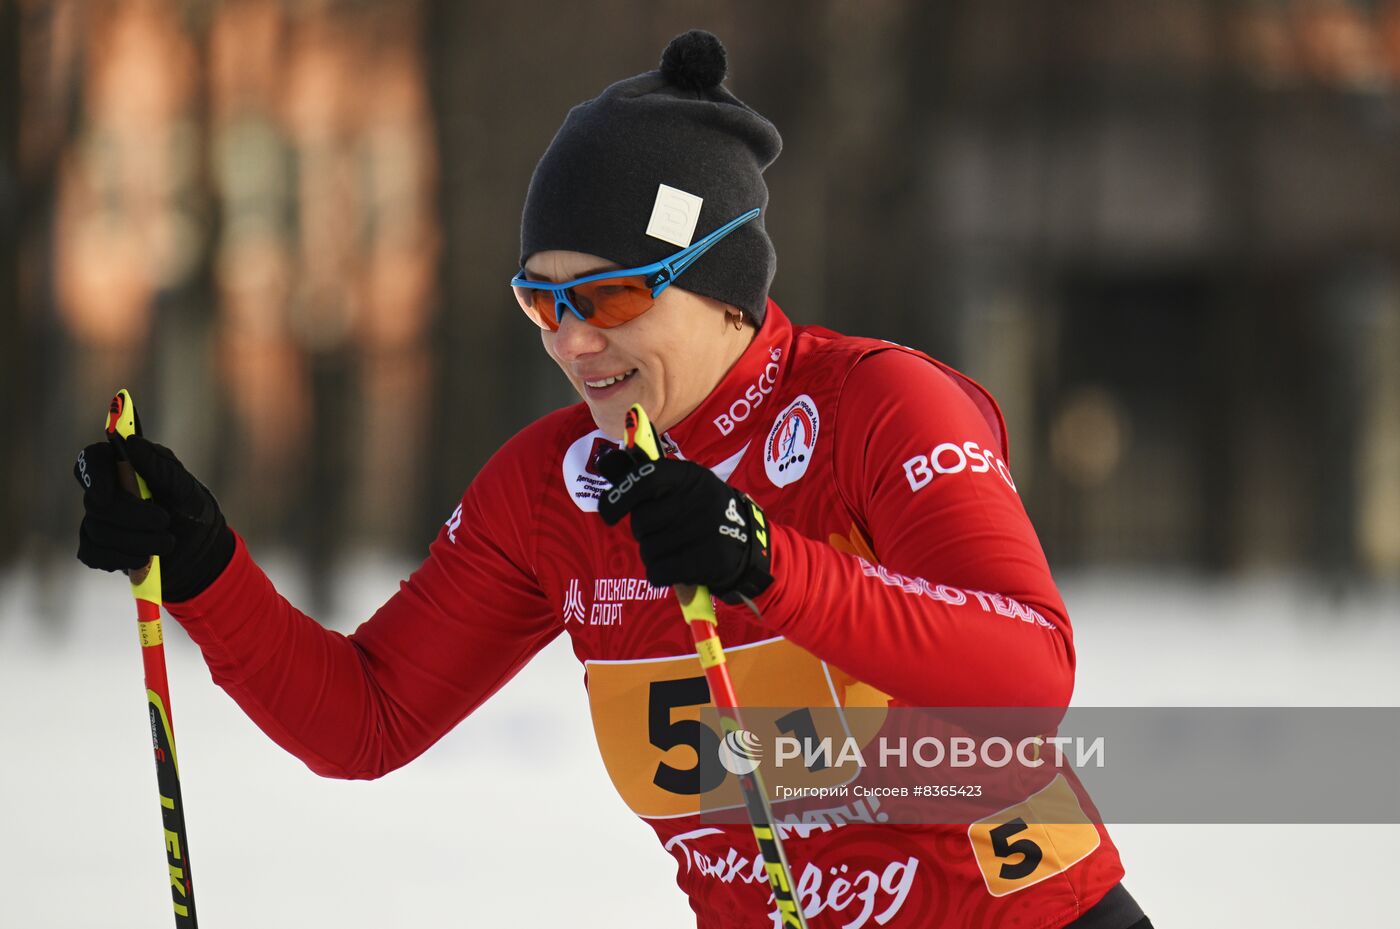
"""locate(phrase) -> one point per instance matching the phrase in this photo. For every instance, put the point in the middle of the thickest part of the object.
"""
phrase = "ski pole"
(699, 612)
(122, 423)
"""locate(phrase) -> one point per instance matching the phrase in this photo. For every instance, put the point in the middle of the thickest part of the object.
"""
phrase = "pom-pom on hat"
(654, 163)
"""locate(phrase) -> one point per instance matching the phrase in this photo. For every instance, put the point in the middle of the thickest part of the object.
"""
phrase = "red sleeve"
(958, 608)
(359, 706)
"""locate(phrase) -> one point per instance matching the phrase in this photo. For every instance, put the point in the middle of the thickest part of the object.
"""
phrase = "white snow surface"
(511, 820)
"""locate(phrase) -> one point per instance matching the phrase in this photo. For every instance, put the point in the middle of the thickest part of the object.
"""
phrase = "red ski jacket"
(906, 573)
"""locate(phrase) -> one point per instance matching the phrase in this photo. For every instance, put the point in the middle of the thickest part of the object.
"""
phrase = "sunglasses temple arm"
(704, 245)
(677, 268)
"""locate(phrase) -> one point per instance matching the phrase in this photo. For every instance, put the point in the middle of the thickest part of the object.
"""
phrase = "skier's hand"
(692, 527)
(181, 522)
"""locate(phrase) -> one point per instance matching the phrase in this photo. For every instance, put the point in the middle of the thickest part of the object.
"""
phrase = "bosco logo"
(753, 397)
(948, 458)
(788, 450)
(454, 522)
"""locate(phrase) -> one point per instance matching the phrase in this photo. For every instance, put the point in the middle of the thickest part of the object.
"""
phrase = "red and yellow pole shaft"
(698, 610)
(122, 424)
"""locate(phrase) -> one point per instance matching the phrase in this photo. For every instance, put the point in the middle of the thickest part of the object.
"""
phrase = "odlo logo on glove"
(732, 514)
(669, 501)
(629, 482)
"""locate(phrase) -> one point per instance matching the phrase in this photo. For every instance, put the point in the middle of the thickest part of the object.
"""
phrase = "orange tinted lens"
(613, 300)
(538, 305)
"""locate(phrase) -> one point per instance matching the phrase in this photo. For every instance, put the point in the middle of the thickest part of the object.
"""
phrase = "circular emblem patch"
(788, 450)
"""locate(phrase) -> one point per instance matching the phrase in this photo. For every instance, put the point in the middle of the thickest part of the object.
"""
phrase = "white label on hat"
(674, 216)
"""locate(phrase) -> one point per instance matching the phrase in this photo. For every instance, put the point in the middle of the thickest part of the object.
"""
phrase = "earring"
(737, 322)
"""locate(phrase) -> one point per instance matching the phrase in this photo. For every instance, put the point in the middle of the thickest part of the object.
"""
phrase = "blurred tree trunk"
(889, 64)
(496, 103)
(455, 52)
(11, 319)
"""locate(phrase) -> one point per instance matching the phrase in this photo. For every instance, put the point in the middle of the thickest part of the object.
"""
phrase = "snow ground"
(511, 821)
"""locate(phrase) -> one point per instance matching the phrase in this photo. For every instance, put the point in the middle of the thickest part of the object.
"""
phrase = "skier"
(856, 492)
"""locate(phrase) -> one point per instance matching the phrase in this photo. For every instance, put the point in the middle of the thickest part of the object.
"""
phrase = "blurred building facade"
(1165, 235)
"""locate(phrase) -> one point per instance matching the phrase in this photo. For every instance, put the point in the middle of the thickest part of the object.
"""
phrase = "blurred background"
(1165, 235)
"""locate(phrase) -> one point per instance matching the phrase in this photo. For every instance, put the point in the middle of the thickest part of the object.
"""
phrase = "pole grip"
(122, 423)
(640, 434)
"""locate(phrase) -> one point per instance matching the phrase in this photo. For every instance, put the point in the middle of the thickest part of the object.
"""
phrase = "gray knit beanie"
(627, 171)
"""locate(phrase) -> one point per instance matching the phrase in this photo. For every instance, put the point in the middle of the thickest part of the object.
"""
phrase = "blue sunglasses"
(613, 297)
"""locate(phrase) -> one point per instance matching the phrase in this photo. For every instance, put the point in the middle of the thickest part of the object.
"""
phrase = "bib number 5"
(1044, 835)
(667, 733)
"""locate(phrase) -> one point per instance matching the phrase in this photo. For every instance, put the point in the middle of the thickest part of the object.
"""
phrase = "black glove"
(692, 527)
(181, 522)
